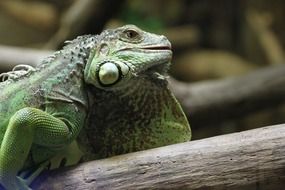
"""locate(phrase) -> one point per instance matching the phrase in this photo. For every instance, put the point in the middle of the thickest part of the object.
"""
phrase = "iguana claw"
(22, 184)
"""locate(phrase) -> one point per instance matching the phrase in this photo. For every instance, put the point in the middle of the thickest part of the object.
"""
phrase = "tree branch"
(12, 56)
(218, 100)
(246, 160)
(82, 14)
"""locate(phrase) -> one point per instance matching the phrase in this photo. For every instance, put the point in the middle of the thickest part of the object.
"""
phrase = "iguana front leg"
(27, 126)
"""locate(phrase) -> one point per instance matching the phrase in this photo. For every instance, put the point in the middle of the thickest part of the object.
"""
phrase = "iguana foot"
(16, 183)
(22, 184)
(29, 176)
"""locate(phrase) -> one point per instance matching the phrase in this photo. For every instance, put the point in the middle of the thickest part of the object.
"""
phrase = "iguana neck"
(128, 120)
(139, 101)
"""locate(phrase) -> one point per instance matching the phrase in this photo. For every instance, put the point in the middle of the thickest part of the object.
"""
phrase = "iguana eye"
(131, 34)
(108, 74)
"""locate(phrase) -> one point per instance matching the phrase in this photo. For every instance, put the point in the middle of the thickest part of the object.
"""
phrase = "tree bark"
(252, 159)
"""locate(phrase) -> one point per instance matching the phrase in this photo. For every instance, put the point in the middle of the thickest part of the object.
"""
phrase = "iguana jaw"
(157, 48)
(147, 59)
(150, 49)
(157, 60)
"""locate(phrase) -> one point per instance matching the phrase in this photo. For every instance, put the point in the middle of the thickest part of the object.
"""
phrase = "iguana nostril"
(108, 73)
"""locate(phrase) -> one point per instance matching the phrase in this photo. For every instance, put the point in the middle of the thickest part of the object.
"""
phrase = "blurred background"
(214, 43)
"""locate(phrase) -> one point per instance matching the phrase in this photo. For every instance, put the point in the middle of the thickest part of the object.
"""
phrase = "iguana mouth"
(157, 48)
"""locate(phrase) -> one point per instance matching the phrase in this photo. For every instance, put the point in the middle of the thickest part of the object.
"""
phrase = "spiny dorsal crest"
(82, 43)
(17, 72)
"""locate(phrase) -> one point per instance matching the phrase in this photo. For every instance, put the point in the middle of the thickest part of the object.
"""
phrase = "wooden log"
(252, 159)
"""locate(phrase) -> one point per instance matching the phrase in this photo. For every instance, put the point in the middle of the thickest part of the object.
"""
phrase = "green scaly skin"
(115, 82)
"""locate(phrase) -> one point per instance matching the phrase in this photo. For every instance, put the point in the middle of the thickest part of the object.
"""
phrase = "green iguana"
(117, 78)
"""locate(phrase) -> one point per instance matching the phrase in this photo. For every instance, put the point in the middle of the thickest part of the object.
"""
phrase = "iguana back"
(58, 73)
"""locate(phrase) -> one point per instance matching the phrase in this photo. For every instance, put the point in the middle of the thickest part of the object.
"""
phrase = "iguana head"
(124, 54)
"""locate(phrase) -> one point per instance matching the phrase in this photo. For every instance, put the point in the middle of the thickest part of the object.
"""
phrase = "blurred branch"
(72, 21)
(269, 43)
(260, 41)
(78, 15)
(183, 37)
(12, 56)
(215, 101)
(247, 160)
(38, 14)
(204, 102)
